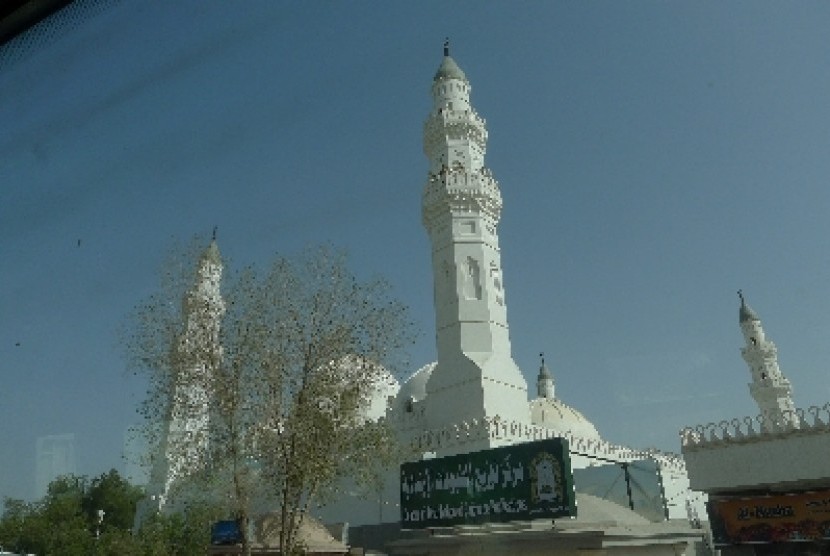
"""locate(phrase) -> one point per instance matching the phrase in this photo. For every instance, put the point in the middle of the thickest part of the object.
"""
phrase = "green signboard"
(512, 483)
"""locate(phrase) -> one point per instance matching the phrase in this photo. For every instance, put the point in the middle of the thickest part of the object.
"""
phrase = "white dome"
(557, 415)
(415, 387)
(385, 388)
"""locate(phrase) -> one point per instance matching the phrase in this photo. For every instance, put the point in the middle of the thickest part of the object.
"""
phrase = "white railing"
(495, 428)
(745, 429)
(458, 180)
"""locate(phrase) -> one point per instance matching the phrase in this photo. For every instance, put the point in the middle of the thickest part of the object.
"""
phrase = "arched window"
(472, 279)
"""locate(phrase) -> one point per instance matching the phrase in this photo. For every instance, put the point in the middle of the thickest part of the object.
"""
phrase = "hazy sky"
(653, 158)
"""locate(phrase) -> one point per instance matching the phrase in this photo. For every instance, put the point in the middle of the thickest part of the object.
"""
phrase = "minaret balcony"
(457, 120)
(449, 117)
(463, 196)
(461, 205)
(766, 351)
(462, 126)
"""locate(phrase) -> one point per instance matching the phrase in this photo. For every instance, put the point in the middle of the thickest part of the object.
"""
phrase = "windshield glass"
(651, 159)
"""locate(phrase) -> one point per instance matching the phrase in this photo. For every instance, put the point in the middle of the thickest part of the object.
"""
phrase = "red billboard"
(766, 519)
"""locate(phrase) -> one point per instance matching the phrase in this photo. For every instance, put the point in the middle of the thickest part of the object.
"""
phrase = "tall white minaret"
(196, 353)
(475, 376)
(769, 387)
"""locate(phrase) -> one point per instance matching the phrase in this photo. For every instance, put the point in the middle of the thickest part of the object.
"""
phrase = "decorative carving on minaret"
(769, 387)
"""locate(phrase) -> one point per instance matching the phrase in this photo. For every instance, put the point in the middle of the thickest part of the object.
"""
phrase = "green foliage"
(23, 527)
(116, 497)
(65, 522)
(182, 534)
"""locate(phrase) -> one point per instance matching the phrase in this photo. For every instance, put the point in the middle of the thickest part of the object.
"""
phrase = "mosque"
(475, 397)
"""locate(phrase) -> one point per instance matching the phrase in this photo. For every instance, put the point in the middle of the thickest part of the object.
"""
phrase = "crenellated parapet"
(814, 419)
(759, 453)
(497, 430)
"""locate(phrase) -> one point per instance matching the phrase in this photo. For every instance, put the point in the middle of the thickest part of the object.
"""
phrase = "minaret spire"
(461, 211)
(447, 46)
(769, 387)
(197, 351)
(544, 382)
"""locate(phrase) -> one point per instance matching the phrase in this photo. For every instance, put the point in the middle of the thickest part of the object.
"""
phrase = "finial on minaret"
(745, 313)
(212, 252)
(544, 372)
(447, 46)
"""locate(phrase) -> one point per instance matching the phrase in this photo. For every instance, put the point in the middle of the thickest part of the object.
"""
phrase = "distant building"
(767, 476)
(54, 456)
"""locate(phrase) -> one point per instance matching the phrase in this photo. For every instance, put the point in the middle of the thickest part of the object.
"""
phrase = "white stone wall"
(751, 452)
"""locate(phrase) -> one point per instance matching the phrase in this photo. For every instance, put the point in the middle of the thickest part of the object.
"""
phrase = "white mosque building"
(475, 396)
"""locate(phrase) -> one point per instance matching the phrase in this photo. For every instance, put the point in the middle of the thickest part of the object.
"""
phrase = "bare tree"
(268, 382)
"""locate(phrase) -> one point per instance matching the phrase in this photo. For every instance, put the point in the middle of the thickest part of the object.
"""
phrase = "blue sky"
(653, 158)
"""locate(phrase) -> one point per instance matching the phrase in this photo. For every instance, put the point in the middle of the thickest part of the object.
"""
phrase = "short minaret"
(770, 389)
(196, 353)
(544, 382)
(475, 376)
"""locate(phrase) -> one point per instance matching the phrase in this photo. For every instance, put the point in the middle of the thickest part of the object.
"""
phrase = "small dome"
(415, 387)
(557, 415)
(211, 254)
(449, 70)
(383, 385)
(311, 533)
(745, 313)
(384, 388)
